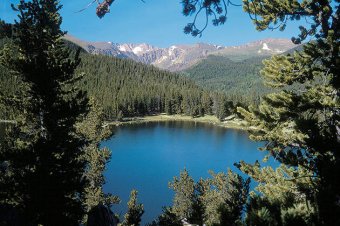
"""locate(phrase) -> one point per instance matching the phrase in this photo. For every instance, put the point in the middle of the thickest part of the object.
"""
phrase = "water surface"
(147, 156)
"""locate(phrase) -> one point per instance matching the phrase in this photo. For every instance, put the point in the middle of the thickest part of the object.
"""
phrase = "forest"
(239, 80)
(54, 102)
(125, 88)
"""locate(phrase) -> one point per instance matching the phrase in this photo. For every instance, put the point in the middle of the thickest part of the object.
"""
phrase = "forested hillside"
(125, 88)
(241, 80)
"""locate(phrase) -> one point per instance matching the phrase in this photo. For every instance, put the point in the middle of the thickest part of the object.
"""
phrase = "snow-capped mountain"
(259, 48)
(180, 57)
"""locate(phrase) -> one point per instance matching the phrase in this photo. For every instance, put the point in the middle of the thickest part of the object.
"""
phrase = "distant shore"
(209, 119)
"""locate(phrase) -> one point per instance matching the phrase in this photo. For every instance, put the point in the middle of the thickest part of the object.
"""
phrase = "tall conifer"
(48, 166)
(300, 122)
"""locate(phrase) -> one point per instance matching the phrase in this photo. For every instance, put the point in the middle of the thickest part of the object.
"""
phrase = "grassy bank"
(234, 123)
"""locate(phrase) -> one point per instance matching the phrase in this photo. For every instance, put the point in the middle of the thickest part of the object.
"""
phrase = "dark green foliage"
(279, 199)
(47, 162)
(223, 106)
(10, 84)
(167, 218)
(94, 131)
(6, 30)
(216, 201)
(239, 80)
(300, 124)
(126, 88)
(44, 173)
(263, 211)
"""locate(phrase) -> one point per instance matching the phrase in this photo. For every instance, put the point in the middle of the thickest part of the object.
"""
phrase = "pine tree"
(135, 211)
(47, 163)
(280, 195)
(184, 188)
(218, 200)
(300, 122)
(224, 197)
(94, 130)
(167, 218)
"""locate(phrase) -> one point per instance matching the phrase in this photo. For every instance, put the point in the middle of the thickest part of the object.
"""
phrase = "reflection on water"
(147, 156)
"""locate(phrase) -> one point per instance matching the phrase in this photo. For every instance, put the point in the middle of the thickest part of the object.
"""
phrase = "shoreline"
(209, 119)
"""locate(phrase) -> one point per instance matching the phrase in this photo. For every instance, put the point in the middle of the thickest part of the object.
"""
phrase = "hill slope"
(240, 80)
(123, 87)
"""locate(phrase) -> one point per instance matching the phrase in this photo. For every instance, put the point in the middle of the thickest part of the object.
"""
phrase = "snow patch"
(137, 50)
(110, 43)
(265, 47)
(171, 50)
(122, 48)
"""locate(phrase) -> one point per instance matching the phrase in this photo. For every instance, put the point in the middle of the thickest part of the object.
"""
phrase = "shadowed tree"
(216, 201)
(47, 163)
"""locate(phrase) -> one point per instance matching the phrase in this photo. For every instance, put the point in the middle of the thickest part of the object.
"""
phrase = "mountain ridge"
(183, 56)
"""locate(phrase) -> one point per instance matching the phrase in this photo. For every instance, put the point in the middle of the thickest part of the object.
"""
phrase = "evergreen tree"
(300, 122)
(224, 198)
(280, 196)
(216, 201)
(167, 218)
(47, 164)
(96, 158)
(5, 29)
(184, 188)
(135, 211)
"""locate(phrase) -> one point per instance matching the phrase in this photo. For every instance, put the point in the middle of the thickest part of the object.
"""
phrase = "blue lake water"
(147, 156)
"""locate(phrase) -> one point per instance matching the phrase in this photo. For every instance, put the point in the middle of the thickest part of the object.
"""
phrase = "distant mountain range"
(181, 57)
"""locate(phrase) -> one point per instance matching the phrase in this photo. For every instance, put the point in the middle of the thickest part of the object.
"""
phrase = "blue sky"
(157, 22)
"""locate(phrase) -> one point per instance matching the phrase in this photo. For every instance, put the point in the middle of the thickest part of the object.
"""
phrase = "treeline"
(125, 88)
(239, 80)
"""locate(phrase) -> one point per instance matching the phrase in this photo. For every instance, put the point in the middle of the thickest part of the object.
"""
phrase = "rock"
(101, 216)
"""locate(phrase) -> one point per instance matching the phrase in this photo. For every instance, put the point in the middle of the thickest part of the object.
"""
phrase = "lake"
(147, 156)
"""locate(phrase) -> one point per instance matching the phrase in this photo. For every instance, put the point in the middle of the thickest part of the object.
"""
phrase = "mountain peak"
(180, 57)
